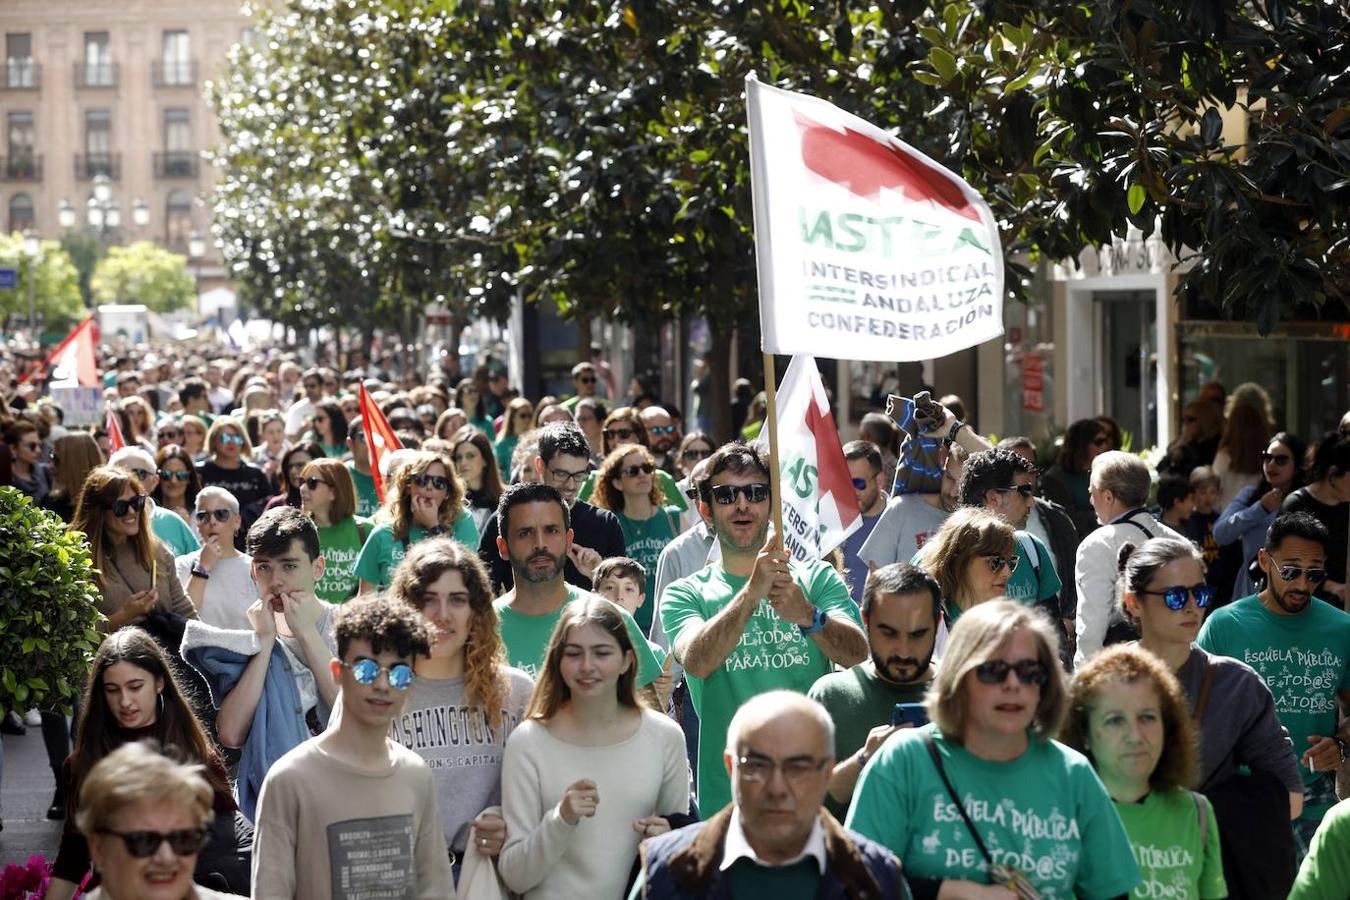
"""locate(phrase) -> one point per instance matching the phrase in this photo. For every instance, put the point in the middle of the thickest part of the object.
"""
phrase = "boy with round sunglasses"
(351, 812)
(1300, 646)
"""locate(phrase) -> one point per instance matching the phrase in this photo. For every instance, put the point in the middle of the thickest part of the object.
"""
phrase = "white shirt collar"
(738, 847)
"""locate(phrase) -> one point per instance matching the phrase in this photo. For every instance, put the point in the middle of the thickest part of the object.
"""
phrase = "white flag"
(867, 249)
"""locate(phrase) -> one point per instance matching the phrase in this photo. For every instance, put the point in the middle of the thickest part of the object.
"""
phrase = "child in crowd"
(1175, 502)
(622, 580)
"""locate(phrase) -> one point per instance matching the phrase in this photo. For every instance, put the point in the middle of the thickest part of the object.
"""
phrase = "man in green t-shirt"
(535, 538)
(900, 612)
(1300, 646)
(367, 500)
(750, 622)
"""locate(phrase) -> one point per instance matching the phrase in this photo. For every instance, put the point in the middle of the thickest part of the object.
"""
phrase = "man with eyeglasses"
(752, 622)
(1300, 646)
(865, 468)
(563, 462)
(166, 524)
(662, 435)
(775, 839)
(352, 813)
(218, 578)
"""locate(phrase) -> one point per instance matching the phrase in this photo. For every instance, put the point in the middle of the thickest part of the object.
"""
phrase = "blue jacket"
(279, 725)
(686, 864)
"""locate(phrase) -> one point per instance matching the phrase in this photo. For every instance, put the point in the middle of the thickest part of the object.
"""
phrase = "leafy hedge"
(48, 616)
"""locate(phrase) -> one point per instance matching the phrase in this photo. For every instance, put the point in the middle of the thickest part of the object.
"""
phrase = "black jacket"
(597, 529)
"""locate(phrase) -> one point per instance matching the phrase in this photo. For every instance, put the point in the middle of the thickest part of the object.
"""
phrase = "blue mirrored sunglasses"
(366, 671)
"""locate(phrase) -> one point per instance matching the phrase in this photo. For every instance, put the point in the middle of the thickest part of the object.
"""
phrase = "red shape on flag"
(863, 166)
(73, 359)
(380, 438)
(115, 440)
(831, 467)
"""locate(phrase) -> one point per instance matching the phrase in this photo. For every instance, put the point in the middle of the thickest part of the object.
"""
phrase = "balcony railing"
(20, 75)
(96, 75)
(174, 73)
(176, 164)
(90, 165)
(21, 168)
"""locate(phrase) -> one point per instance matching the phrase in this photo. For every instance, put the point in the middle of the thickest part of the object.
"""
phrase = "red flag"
(115, 440)
(72, 363)
(380, 438)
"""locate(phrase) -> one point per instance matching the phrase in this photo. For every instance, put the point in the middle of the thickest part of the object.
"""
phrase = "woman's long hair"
(491, 491)
(609, 497)
(194, 481)
(76, 455)
(969, 532)
(509, 428)
(1298, 449)
(1245, 435)
(176, 724)
(292, 491)
(1073, 453)
(104, 487)
(550, 691)
(398, 500)
(485, 686)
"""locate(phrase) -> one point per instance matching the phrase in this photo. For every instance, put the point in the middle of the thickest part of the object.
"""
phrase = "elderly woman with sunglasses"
(424, 499)
(983, 800)
(218, 577)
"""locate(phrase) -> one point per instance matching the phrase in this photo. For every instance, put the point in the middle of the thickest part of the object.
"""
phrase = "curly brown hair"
(1178, 765)
(485, 684)
(607, 494)
(398, 499)
(385, 623)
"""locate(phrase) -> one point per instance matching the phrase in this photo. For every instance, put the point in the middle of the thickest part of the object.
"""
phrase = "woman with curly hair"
(464, 680)
(1130, 717)
(425, 498)
(626, 486)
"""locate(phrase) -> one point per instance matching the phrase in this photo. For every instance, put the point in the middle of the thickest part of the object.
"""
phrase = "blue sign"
(9, 278)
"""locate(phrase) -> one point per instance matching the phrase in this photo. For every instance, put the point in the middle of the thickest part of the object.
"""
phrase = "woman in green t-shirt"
(330, 429)
(1032, 811)
(1128, 713)
(626, 486)
(328, 496)
(971, 557)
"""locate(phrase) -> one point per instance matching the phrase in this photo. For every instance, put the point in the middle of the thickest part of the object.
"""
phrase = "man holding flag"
(753, 621)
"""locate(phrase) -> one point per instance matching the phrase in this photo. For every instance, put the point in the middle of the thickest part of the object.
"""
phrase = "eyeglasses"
(1026, 490)
(562, 476)
(1278, 459)
(998, 562)
(1028, 671)
(142, 474)
(660, 429)
(725, 494)
(122, 507)
(437, 482)
(860, 484)
(365, 671)
(220, 515)
(692, 453)
(313, 482)
(144, 844)
(180, 475)
(1294, 573)
(586, 379)
(236, 439)
(1175, 597)
(618, 434)
(170, 434)
(639, 469)
(759, 769)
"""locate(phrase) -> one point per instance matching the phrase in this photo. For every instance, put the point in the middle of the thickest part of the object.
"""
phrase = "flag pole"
(771, 423)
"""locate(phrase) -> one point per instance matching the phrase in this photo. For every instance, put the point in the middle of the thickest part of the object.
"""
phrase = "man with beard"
(536, 537)
(909, 520)
(662, 436)
(900, 611)
(751, 623)
(1301, 649)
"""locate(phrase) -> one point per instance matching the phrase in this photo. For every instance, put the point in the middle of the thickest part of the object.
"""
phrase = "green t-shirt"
(1325, 873)
(669, 489)
(644, 540)
(383, 552)
(170, 528)
(858, 701)
(504, 449)
(1035, 579)
(1046, 813)
(526, 637)
(772, 654)
(1304, 659)
(341, 546)
(799, 881)
(367, 500)
(1165, 835)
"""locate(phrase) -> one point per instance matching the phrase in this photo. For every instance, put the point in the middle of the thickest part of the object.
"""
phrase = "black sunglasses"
(998, 562)
(693, 453)
(313, 482)
(220, 515)
(639, 469)
(725, 494)
(586, 379)
(1294, 573)
(1278, 459)
(144, 844)
(1026, 490)
(438, 482)
(180, 475)
(1175, 597)
(622, 434)
(1028, 671)
(122, 507)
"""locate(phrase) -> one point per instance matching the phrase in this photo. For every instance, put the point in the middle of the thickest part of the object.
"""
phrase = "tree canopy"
(144, 272)
(56, 289)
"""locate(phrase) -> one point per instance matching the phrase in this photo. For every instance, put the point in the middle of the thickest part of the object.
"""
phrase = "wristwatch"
(817, 622)
(199, 572)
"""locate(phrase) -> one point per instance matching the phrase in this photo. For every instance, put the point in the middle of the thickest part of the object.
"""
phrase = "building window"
(177, 59)
(21, 216)
(98, 142)
(98, 64)
(19, 69)
(177, 218)
(20, 162)
(178, 159)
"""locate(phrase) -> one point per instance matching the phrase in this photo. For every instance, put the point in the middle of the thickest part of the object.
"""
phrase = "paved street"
(24, 796)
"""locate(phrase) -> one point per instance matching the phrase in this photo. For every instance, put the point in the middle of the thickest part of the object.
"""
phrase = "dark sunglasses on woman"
(640, 469)
(437, 482)
(144, 844)
(1028, 671)
(122, 507)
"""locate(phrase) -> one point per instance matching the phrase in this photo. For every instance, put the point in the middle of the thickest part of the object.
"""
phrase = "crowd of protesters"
(564, 654)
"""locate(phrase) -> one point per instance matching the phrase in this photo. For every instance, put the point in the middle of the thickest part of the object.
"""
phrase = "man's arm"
(274, 841)
(703, 648)
(1094, 576)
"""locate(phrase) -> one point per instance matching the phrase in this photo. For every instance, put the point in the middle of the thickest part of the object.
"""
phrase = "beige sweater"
(123, 575)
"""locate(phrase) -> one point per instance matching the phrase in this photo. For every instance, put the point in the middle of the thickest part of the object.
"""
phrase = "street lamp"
(103, 211)
(32, 248)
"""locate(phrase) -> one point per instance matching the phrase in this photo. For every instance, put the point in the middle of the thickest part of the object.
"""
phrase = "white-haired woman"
(218, 578)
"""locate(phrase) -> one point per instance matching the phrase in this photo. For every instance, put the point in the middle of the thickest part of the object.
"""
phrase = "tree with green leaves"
(144, 273)
(56, 286)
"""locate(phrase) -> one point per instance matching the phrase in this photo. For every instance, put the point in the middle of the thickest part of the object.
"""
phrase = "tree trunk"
(720, 331)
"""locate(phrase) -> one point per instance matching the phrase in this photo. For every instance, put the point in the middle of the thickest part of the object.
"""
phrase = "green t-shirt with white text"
(341, 547)
(644, 540)
(383, 551)
(367, 500)
(1165, 835)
